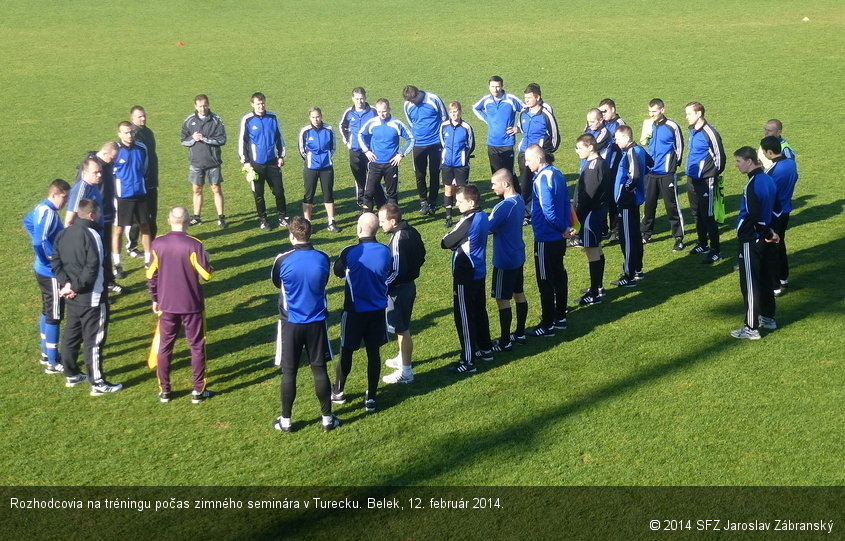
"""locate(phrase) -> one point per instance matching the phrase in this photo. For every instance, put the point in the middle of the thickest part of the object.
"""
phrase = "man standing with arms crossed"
(203, 133)
(508, 260)
(350, 126)
(705, 164)
(261, 149)
(79, 268)
(173, 279)
(425, 112)
(379, 139)
(498, 110)
(43, 225)
(408, 251)
(550, 220)
(666, 147)
(301, 274)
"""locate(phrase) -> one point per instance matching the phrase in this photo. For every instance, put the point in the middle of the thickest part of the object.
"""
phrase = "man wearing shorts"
(591, 209)
(408, 251)
(130, 169)
(317, 146)
(203, 133)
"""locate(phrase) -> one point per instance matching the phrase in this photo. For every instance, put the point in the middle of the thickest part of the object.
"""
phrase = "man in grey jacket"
(203, 133)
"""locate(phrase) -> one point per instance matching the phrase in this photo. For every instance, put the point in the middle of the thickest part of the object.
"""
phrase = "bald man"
(365, 268)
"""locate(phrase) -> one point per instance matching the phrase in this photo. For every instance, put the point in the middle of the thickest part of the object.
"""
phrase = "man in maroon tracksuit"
(173, 278)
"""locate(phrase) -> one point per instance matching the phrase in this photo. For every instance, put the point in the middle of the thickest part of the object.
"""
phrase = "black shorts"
(506, 282)
(369, 327)
(52, 306)
(400, 303)
(454, 176)
(594, 227)
(132, 211)
(292, 337)
(326, 177)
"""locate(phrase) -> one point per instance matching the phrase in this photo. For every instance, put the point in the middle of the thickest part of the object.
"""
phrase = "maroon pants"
(169, 325)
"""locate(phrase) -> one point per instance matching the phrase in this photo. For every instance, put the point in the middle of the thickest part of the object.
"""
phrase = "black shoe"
(679, 245)
(117, 289)
(283, 221)
(625, 282)
(118, 272)
(221, 222)
(369, 403)
(526, 221)
(447, 223)
(463, 367)
(586, 291)
(484, 354)
(518, 339)
(560, 324)
(639, 275)
(334, 423)
(502, 345)
(699, 249)
(195, 220)
(338, 398)
(196, 397)
(263, 225)
(712, 257)
(333, 228)
(164, 398)
(424, 208)
(588, 300)
(646, 239)
(539, 330)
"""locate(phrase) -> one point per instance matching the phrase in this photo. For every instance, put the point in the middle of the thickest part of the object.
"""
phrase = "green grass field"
(645, 389)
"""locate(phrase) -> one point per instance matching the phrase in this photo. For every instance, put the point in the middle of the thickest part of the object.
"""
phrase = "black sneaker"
(424, 208)
(711, 258)
(699, 249)
(639, 275)
(502, 345)
(134, 252)
(118, 272)
(283, 221)
(588, 300)
(539, 330)
(679, 245)
(117, 289)
(277, 424)
(646, 239)
(369, 403)
(196, 397)
(221, 222)
(263, 225)
(54, 369)
(447, 223)
(195, 220)
(484, 354)
(518, 339)
(331, 425)
(560, 324)
(586, 291)
(526, 221)
(164, 398)
(333, 228)
(625, 282)
(73, 381)
(463, 367)
(575, 242)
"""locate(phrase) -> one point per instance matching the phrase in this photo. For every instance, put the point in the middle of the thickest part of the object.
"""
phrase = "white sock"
(327, 419)
(284, 421)
(115, 259)
(147, 258)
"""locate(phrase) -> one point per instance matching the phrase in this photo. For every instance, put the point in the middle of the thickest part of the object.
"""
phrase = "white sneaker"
(394, 363)
(398, 377)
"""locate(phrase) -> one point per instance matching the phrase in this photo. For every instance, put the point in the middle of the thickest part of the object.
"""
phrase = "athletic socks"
(115, 259)
(521, 317)
(284, 422)
(505, 319)
(596, 275)
(51, 341)
(148, 258)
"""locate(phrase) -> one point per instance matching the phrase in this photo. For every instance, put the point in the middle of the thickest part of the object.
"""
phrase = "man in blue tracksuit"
(317, 146)
(379, 139)
(468, 242)
(499, 110)
(550, 221)
(365, 268)
(350, 126)
(425, 112)
(43, 226)
(705, 164)
(301, 274)
(612, 120)
(458, 142)
(629, 194)
(755, 236)
(539, 127)
(130, 192)
(666, 148)
(261, 148)
(784, 171)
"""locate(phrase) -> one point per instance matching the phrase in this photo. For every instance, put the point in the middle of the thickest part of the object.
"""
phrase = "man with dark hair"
(173, 279)
(458, 142)
(666, 148)
(144, 135)
(301, 274)
(130, 172)
(316, 146)
(550, 221)
(591, 209)
(425, 112)
(755, 236)
(607, 108)
(350, 126)
(774, 128)
(79, 268)
(408, 251)
(508, 259)
(379, 139)
(365, 268)
(43, 226)
(203, 133)
(785, 175)
(261, 148)
(498, 110)
(628, 192)
(539, 127)
(705, 164)
(468, 242)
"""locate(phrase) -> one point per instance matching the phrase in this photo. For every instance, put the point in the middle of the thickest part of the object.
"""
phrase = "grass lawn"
(646, 389)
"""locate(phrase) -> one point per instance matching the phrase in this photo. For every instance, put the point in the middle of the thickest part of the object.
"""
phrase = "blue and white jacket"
(706, 156)
(506, 228)
(382, 138)
(316, 146)
(43, 225)
(130, 168)
(301, 274)
(499, 115)
(425, 118)
(666, 147)
(458, 142)
(468, 242)
(260, 139)
(550, 208)
(351, 123)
